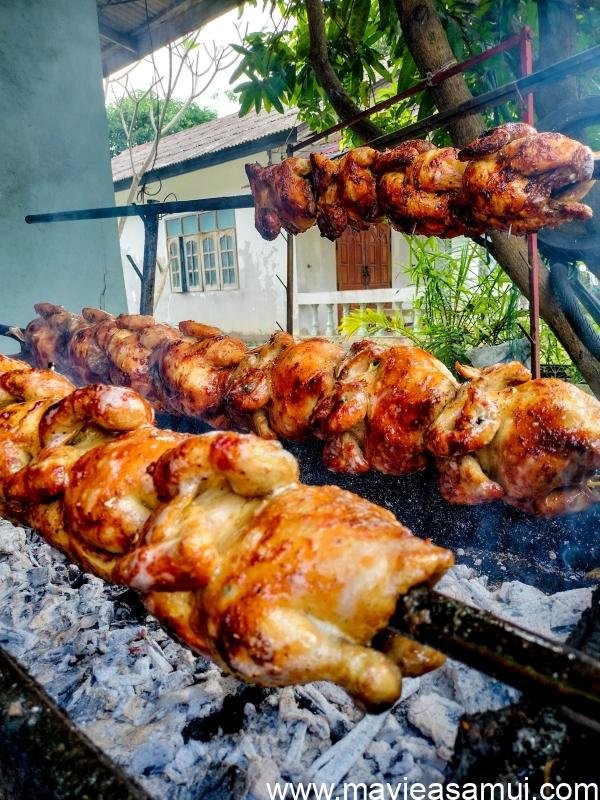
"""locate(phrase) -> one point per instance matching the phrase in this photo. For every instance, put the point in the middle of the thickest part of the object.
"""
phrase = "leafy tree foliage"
(141, 110)
(368, 53)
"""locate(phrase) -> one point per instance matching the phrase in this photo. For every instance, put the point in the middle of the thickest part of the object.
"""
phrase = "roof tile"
(210, 137)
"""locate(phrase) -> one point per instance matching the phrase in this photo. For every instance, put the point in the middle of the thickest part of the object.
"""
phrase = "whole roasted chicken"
(378, 406)
(533, 443)
(510, 178)
(520, 180)
(283, 197)
(278, 582)
(377, 411)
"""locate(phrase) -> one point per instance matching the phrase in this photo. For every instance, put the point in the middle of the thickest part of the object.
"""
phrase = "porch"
(318, 313)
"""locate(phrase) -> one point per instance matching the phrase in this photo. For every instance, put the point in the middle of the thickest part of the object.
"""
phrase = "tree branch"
(319, 58)
(429, 46)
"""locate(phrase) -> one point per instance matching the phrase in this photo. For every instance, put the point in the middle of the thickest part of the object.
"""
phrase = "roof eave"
(120, 49)
(211, 159)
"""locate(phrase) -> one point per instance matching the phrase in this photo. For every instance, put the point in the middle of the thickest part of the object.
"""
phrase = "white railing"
(318, 311)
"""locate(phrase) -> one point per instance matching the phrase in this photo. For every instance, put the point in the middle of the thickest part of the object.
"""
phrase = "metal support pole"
(289, 284)
(526, 54)
(149, 268)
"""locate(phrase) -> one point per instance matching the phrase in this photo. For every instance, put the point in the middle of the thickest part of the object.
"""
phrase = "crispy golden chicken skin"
(300, 376)
(379, 408)
(189, 374)
(95, 447)
(509, 178)
(278, 582)
(249, 392)
(418, 187)
(48, 334)
(374, 407)
(88, 360)
(332, 216)
(358, 187)
(25, 395)
(283, 197)
(533, 443)
(514, 178)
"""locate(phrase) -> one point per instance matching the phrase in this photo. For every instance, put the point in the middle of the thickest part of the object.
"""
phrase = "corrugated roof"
(211, 137)
(130, 29)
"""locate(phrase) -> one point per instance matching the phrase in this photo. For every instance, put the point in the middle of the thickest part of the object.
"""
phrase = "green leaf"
(247, 99)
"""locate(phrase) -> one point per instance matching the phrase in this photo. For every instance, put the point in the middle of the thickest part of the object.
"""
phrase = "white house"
(220, 270)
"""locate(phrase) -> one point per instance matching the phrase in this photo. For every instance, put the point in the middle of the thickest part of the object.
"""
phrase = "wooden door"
(363, 258)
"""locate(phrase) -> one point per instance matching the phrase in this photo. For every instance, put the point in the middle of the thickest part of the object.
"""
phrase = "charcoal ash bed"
(178, 726)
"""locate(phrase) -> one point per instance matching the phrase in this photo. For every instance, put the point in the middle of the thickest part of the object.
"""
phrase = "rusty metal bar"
(432, 80)
(526, 56)
(289, 284)
(172, 207)
(587, 59)
(547, 669)
(149, 265)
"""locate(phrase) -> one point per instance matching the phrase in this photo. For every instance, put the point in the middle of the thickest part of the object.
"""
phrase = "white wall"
(54, 156)
(259, 305)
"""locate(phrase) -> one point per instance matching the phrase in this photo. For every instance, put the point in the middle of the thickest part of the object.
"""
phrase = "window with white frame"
(202, 251)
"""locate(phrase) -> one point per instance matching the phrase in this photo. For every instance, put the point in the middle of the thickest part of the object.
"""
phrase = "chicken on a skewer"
(283, 197)
(379, 408)
(248, 565)
(533, 443)
(510, 178)
(418, 188)
(375, 408)
(519, 180)
(25, 395)
(189, 372)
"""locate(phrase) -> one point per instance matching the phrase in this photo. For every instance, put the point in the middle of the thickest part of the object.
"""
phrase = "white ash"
(147, 700)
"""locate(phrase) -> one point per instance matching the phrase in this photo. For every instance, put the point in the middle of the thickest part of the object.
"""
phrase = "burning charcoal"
(222, 783)
(141, 696)
(335, 763)
(567, 609)
(229, 718)
(474, 691)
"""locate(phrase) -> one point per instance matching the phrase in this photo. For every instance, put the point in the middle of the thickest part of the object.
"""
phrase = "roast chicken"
(283, 197)
(515, 179)
(376, 414)
(377, 406)
(533, 443)
(277, 582)
(420, 187)
(511, 178)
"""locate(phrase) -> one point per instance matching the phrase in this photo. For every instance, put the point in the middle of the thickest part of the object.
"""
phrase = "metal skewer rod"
(549, 670)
